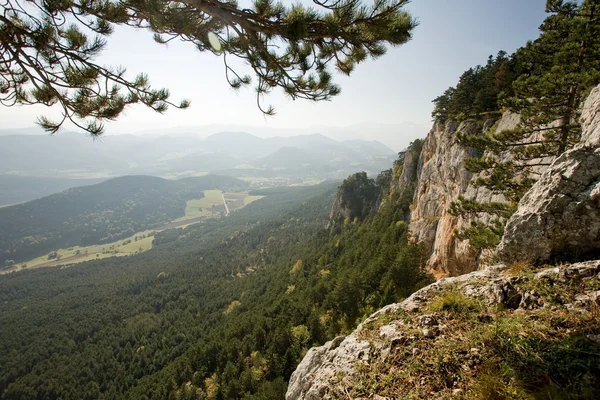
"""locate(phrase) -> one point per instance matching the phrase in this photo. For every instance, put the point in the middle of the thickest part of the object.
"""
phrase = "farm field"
(264, 183)
(139, 242)
(210, 206)
(202, 207)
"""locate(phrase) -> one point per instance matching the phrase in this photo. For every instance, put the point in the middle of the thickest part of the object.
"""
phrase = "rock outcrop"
(560, 214)
(389, 343)
(356, 199)
(441, 180)
(359, 197)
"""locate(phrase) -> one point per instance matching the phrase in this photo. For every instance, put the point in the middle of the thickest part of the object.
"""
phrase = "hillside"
(19, 189)
(72, 155)
(230, 305)
(45, 165)
(498, 333)
(101, 213)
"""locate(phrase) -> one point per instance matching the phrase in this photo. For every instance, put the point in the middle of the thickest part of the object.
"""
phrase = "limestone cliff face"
(432, 174)
(441, 179)
(436, 177)
(560, 214)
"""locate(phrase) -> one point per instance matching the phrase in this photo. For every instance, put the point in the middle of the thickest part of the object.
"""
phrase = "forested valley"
(224, 309)
(101, 213)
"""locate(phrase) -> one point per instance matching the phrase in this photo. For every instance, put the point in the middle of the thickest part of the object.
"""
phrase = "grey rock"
(311, 379)
(334, 363)
(581, 270)
(530, 300)
(388, 331)
(586, 299)
(560, 214)
(591, 119)
(549, 273)
(441, 179)
(430, 333)
(314, 375)
(427, 320)
(506, 294)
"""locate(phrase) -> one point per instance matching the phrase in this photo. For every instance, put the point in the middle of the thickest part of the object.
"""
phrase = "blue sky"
(453, 35)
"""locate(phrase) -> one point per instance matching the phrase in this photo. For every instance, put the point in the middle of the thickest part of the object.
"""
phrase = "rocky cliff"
(560, 215)
(356, 199)
(511, 330)
(498, 333)
(359, 197)
(441, 178)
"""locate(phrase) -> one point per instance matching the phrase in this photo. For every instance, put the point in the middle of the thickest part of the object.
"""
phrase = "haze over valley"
(37, 165)
(227, 226)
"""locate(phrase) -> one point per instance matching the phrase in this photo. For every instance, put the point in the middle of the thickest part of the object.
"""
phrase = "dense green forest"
(100, 213)
(220, 310)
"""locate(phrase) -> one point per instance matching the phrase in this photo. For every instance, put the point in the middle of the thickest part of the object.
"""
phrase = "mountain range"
(72, 159)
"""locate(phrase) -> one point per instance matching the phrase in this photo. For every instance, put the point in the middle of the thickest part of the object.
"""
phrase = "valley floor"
(197, 210)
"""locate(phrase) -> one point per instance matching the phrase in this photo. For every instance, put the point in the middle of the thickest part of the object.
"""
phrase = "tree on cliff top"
(557, 72)
(560, 68)
(47, 49)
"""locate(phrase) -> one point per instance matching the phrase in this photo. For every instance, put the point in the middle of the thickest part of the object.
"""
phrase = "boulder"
(560, 215)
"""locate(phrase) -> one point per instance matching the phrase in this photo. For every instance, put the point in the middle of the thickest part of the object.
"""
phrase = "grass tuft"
(453, 301)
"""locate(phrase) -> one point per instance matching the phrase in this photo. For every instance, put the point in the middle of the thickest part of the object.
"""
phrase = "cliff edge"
(516, 330)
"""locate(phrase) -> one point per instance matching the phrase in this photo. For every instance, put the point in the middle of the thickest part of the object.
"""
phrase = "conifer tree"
(47, 48)
(477, 90)
(557, 72)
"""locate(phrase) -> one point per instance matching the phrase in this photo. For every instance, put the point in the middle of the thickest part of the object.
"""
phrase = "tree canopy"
(48, 48)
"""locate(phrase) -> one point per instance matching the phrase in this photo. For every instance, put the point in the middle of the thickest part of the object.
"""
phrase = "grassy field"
(214, 198)
(261, 183)
(250, 199)
(195, 211)
(201, 207)
(309, 182)
(77, 254)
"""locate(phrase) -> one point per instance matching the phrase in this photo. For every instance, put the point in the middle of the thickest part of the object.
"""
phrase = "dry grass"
(548, 353)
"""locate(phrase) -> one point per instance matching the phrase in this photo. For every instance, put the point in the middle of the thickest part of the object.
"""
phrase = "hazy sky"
(453, 35)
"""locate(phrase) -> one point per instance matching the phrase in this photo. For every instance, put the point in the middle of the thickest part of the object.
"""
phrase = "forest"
(220, 310)
(101, 213)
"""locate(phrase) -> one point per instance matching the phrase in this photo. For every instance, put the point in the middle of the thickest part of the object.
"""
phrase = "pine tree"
(47, 48)
(557, 72)
(477, 91)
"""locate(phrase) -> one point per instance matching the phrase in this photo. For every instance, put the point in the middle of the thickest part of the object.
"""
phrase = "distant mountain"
(77, 156)
(236, 143)
(99, 213)
(371, 147)
(18, 189)
(397, 135)
(203, 162)
(45, 155)
(33, 130)
(287, 158)
(303, 141)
